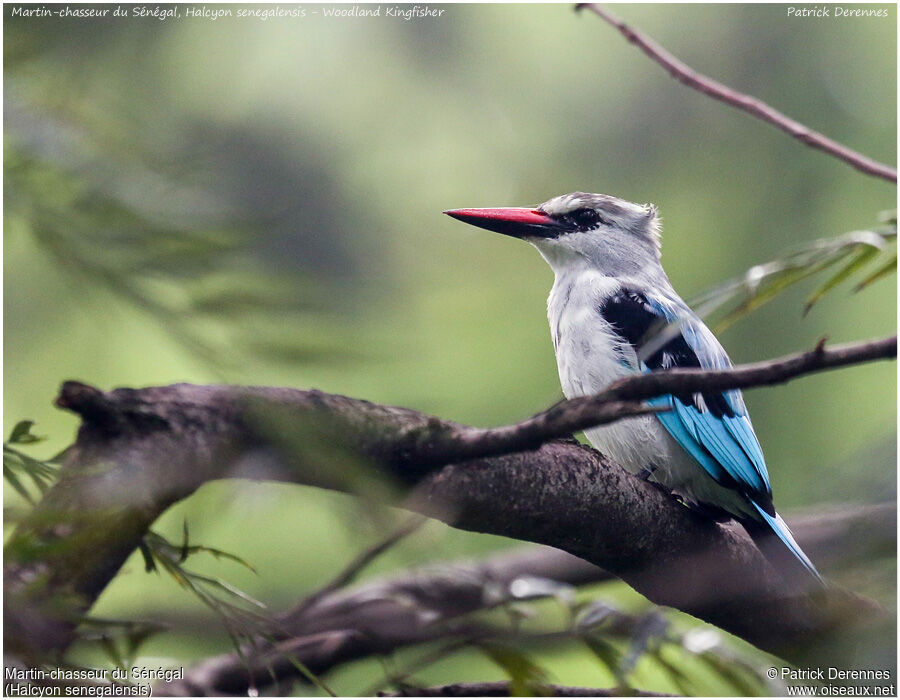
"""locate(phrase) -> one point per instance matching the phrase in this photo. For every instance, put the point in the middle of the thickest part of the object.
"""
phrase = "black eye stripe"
(584, 218)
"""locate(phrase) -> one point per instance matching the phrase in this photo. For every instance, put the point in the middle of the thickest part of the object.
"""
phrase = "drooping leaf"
(734, 675)
(307, 674)
(594, 614)
(19, 468)
(221, 554)
(112, 651)
(647, 636)
(762, 283)
(120, 222)
(608, 655)
(119, 639)
(678, 677)
(21, 434)
(887, 268)
(185, 547)
(857, 261)
(226, 587)
(225, 600)
(13, 481)
(526, 676)
(149, 563)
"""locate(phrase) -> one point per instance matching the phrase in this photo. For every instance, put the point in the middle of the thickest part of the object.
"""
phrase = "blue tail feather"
(783, 532)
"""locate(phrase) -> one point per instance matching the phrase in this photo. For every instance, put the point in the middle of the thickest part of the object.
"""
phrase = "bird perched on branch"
(613, 313)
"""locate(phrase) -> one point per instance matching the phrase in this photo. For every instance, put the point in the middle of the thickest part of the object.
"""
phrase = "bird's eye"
(585, 218)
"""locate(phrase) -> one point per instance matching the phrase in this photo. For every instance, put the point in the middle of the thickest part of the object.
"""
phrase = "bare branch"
(702, 83)
(501, 689)
(360, 562)
(416, 606)
(382, 616)
(623, 398)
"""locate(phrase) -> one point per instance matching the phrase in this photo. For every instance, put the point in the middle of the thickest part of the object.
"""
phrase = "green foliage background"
(194, 158)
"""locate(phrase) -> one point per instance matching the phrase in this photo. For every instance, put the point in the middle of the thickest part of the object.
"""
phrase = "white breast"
(588, 353)
(589, 357)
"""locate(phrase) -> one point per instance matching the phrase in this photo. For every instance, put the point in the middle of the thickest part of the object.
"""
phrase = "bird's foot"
(646, 474)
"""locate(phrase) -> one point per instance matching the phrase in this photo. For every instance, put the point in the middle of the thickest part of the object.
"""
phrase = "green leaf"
(149, 563)
(185, 548)
(135, 637)
(13, 480)
(178, 254)
(221, 554)
(17, 466)
(594, 614)
(228, 588)
(608, 655)
(526, 677)
(888, 267)
(121, 639)
(21, 434)
(309, 675)
(732, 674)
(857, 262)
(888, 217)
(647, 636)
(762, 283)
(239, 622)
(112, 651)
(40, 473)
(679, 679)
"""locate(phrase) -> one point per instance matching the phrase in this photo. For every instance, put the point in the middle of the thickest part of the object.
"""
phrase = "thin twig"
(712, 88)
(344, 577)
(585, 412)
(429, 659)
(360, 562)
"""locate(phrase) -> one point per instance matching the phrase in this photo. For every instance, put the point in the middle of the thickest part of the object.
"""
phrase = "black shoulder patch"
(635, 321)
(631, 315)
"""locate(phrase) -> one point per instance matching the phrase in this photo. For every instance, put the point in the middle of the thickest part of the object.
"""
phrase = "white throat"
(588, 352)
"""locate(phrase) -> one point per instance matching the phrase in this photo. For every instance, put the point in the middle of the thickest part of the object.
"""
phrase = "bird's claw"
(645, 473)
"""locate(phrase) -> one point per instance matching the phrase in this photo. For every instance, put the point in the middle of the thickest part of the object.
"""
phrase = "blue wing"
(713, 427)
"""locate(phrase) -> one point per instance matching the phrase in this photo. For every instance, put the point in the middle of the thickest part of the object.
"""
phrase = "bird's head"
(610, 234)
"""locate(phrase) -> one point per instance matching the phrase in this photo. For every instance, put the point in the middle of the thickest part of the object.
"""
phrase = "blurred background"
(259, 202)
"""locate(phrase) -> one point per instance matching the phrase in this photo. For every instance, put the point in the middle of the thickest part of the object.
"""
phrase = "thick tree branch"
(382, 616)
(702, 83)
(139, 451)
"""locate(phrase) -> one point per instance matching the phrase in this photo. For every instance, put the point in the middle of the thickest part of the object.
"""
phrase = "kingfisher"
(613, 313)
